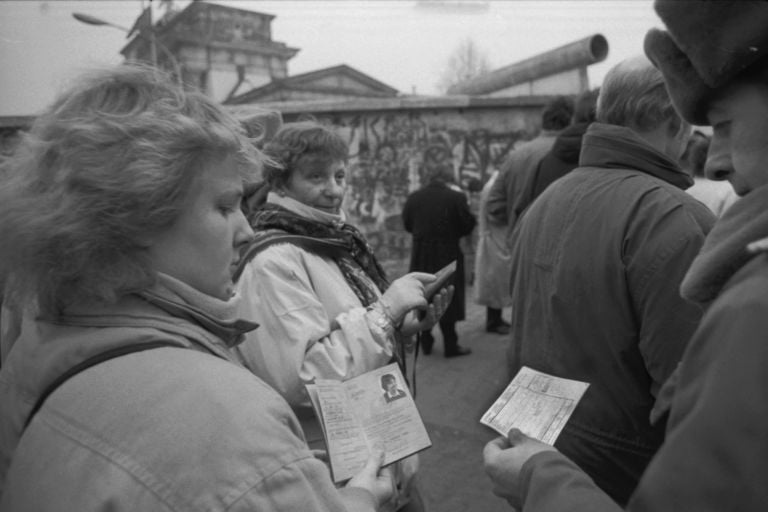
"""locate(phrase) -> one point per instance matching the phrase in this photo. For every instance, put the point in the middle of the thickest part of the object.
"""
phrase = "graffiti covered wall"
(385, 158)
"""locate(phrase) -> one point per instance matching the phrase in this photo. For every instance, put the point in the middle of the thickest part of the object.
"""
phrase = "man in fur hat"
(714, 58)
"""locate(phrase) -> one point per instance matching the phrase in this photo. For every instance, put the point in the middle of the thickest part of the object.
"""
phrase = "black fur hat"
(708, 44)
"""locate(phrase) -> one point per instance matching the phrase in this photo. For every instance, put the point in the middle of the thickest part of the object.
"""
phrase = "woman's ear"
(146, 240)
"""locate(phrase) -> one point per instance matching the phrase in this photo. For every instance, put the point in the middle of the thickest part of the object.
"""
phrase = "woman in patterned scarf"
(312, 282)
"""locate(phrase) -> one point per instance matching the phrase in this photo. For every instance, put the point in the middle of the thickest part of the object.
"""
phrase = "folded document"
(537, 404)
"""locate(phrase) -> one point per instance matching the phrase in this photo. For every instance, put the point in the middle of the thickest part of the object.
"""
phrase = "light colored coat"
(311, 323)
(169, 429)
(492, 260)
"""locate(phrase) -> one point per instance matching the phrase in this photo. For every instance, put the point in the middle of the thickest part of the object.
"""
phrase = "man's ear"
(675, 134)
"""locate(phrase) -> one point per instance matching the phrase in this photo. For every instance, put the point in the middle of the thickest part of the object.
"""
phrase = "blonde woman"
(121, 223)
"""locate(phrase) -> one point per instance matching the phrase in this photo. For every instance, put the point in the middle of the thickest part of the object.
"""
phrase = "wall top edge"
(399, 103)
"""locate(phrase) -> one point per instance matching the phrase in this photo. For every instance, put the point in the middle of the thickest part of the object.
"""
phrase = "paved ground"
(452, 395)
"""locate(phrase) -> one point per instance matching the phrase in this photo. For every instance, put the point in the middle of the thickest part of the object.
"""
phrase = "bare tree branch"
(466, 62)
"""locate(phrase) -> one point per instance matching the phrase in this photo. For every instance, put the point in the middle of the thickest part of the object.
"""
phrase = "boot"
(494, 323)
(451, 340)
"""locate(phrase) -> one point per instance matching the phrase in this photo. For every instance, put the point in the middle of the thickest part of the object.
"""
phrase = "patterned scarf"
(357, 262)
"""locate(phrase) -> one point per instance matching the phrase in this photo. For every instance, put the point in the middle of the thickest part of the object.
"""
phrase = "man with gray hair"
(597, 262)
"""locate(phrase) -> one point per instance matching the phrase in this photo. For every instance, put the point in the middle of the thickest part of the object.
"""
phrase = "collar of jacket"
(214, 334)
(724, 251)
(567, 146)
(231, 332)
(618, 147)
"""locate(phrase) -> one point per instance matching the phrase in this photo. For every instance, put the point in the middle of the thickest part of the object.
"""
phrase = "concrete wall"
(387, 137)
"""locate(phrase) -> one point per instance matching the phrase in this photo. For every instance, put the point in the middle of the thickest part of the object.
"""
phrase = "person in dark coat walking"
(438, 217)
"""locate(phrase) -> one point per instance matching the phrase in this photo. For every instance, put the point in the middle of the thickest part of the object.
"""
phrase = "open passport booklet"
(372, 410)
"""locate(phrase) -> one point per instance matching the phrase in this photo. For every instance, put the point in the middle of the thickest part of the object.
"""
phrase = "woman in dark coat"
(438, 216)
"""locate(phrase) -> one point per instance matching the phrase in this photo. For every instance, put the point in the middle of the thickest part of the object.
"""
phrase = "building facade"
(219, 50)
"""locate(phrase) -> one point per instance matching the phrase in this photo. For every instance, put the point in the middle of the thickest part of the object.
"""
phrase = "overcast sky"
(403, 43)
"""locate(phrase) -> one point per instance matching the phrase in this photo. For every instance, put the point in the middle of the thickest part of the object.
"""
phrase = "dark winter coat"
(512, 191)
(597, 262)
(716, 452)
(561, 159)
(438, 217)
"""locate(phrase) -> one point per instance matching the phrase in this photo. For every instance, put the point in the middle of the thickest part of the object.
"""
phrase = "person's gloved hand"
(405, 294)
(377, 480)
(414, 323)
(504, 458)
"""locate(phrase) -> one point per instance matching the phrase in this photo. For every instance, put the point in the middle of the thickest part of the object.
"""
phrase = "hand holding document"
(536, 403)
(372, 410)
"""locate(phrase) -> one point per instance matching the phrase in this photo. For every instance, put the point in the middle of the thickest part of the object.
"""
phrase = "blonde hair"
(108, 165)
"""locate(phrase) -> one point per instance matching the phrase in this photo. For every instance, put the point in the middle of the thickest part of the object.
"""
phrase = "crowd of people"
(170, 285)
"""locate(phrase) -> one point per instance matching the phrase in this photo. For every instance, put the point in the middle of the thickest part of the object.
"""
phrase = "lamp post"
(153, 42)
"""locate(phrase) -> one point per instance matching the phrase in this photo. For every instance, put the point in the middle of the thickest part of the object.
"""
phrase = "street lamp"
(153, 42)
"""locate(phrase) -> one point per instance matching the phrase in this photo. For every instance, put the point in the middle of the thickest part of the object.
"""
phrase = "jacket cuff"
(551, 481)
(358, 499)
(382, 324)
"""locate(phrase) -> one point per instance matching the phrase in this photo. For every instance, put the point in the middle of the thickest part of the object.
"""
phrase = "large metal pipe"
(580, 53)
